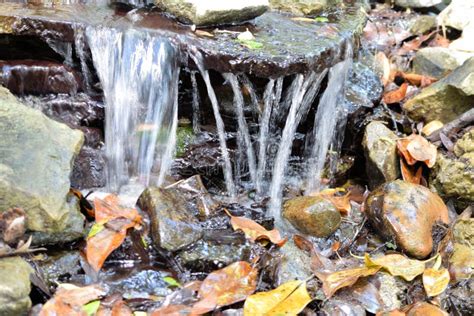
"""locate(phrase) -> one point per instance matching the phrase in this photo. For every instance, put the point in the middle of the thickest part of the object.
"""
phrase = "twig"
(461, 121)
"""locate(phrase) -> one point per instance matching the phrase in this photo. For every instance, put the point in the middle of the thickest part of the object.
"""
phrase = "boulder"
(457, 15)
(312, 215)
(406, 213)
(380, 148)
(417, 3)
(36, 157)
(14, 286)
(423, 24)
(301, 7)
(453, 175)
(466, 42)
(438, 62)
(446, 99)
(202, 13)
(173, 225)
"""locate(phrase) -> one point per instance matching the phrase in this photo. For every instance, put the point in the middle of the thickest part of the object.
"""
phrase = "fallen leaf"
(417, 80)
(334, 281)
(408, 174)
(226, 286)
(416, 148)
(254, 231)
(114, 306)
(425, 309)
(439, 41)
(432, 127)
(341, 202)
(288, 299)
(302, 19)
(397, 265)
(435, 280)
(91, 308)
(383, 64)
(397, 95)
(203, 33)
(395, 312)
(70, 299)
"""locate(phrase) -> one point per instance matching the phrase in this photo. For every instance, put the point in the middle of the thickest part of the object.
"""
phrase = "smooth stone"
(453, 175)
(417, 3)
(214, 12)
(36, 158)
(406, 213)
(173, 225)
(438, 62)
(312, 215)
(446, 99)
(301, 7)
(380, 149)
(14, 286)
(423, 24)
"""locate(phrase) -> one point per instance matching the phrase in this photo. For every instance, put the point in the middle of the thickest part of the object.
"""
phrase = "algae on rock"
(36, 158)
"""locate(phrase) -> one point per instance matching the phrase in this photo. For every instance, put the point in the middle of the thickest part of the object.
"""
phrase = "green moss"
(184, 136)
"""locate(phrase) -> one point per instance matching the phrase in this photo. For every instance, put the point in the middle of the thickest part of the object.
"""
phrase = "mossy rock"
(14, 286)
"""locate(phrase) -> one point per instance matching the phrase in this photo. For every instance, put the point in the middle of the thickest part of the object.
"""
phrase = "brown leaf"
(226, 286)
(408, 173)
(341, 202)
(396, 96)
(383, 63)
(254, 231)
(339, 279)
(114, 306)
(418, 80)
(69, 299)
(416, 148)
(425, 309)
(439, 41)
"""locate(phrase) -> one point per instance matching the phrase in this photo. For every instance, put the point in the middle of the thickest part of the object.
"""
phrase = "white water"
(195, 104)
(139, 76)
(229, 181)
(325, 123)
(301, 95)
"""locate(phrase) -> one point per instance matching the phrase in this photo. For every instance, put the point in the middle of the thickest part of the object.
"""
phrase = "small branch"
(461, 121)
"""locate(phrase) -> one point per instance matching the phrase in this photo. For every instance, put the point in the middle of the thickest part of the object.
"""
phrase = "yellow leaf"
(431, 127)
(288, 299)
(397, 265)
(337, 280)
(435, 280)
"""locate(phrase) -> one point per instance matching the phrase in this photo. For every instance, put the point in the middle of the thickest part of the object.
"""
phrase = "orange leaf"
(418, 80)
(69, 299)
(342, 203)
(402, 144)
(109, 208)
(422, 150)
(408, 174)
(254, 231)
(226, 286)
(339, 279)
(384, 64)
(396, 96)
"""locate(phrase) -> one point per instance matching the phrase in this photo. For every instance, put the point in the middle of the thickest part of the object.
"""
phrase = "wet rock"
(438, 62)
(424, 308)
(305, 7)
(341, 307)
(14, 286)
(446, 99)
(380, 146)
(38, 77)
(172, 224)
(464, 232)
(36, 156)
(59, 267)
(453, 175)
(458, 299)
(295, 263)
(89, 169)
(423, 24)
(406, 213)
(312, 215)
(203, 13)
(417, 3)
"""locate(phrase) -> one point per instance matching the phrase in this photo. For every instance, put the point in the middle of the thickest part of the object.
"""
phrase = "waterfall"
(139, 76)
(300, 97)
(229, 181)
(325, 122)
(195, 104)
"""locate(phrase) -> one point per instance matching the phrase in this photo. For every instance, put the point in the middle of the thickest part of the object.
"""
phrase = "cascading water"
(139, 76)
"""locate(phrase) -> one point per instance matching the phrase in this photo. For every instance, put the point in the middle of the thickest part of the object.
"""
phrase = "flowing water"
(139, 76)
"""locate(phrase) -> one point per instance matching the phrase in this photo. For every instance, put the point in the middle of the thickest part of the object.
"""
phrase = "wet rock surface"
(302, 7)
(438, 62)
(406, 213)
(445, 99)
(312, 215)
(14, 286)
(58, 267)
(382, 162)
(173, 225)
(36, 160)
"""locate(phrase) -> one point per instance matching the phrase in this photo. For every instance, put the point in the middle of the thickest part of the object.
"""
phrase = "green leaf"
(321, 19)
(91, 307)
(251, 44)
(95, 229)
(390, 245)
(171, 281)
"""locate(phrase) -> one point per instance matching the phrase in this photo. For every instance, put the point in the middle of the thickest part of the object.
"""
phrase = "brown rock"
(406, 212)
(424, 308)
(312, 215)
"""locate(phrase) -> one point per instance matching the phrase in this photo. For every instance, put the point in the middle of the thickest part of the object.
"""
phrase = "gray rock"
(305, 7)
(295, 264)
(457, 15)
(417, 3)
(423, 24)
(173, 225)
(203, 13)
(14, 286)
(446, 99)
(36, 156)
(453, 176)
(380, 149)
(59, 265)
(438, 62)
(312, 215)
